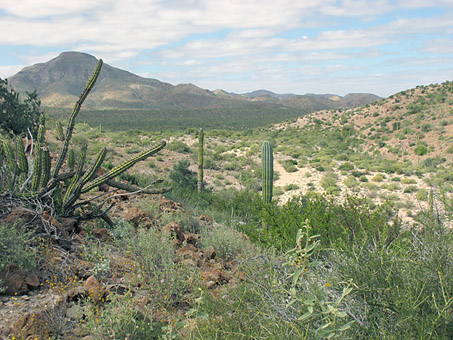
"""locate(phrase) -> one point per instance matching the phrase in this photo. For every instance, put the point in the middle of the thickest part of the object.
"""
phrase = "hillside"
(60, 80)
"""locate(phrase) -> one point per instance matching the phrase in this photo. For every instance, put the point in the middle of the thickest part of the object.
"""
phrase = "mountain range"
(60, 81)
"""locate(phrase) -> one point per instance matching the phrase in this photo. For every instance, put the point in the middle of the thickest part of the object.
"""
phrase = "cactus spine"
(200, 160)
(267, 160)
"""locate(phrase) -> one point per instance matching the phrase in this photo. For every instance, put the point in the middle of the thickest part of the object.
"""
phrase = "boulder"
(95, 290)
(14, 279)
(173, 230)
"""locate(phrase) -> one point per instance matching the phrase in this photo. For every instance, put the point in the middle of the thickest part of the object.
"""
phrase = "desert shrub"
(409, 181)
(378, 178)
(335, 223)
(410, 189)
(347, 166)
(402, 284)
(120, 319)
(420, 150)
(17, 245)
(18, 115)
(351, 182)
(179, 146)
(183, 177)
(290, 187)
(157, 267)
(228, 243)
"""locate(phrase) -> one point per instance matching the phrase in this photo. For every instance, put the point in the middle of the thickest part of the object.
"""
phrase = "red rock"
(173, 230)
(136, 216)
(95, 290)
(209, 253)
(102, 234)
(205, 218)
(192, 238)
(13, 279)
(32, 281)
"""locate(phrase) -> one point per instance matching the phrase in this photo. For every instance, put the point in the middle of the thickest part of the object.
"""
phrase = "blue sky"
(297, 46)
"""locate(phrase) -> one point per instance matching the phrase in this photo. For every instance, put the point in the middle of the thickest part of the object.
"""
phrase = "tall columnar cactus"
(200, 160)
(71, 122)
(267, 160)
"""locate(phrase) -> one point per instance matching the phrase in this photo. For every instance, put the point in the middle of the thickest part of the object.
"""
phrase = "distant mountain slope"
(415, 124)
(60, 81)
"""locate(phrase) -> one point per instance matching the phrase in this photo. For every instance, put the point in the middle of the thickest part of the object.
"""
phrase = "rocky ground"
(53, 301)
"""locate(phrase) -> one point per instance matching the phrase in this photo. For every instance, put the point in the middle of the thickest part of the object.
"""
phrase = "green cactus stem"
(71, 122)
(71, 160)
(78, 174)
(45, 168)
(37, 168)
(22, 159)
(41, 129)
(123, 167)
(200, 160)
(267, 160)
(60, 133)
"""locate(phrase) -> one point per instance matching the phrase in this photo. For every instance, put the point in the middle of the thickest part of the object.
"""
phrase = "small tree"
(17, 116)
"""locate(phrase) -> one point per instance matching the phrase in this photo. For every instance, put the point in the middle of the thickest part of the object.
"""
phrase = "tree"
(17, 116)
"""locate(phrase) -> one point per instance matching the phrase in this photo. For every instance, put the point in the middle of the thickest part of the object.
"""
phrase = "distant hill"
(60, 81)
(414, 124)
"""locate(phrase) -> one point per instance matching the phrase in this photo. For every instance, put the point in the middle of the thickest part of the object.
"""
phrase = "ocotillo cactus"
(200, 160)
(267, 160)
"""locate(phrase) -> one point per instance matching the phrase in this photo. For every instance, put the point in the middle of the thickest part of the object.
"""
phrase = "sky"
(285, 46)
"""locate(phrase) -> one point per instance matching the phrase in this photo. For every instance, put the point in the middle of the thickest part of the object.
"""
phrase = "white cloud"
(239, 42)
(415, 4)
(358, 8)
(8, 71)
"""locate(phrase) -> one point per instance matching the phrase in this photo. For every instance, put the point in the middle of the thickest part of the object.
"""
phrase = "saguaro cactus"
(200, 160)
(267, 160)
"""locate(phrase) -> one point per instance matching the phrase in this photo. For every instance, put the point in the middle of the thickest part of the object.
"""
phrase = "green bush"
(17, 115)
(183, 177)
(17, 245)
(228, 244)
(179, 146)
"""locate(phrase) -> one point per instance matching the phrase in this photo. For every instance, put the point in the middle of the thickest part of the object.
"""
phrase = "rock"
(32, 281)
(209, 253)
(189, 251)
(79, 239)
(215, 275)
(95, 290)
(75, 312)
(173, 230)
(136, 217)
(31, 326)
(26, 216)
(166, 205)
(102, 234)
(119, 264)
(211, 275)
(192, 238)
(205, 218)
(69, 225)
(76, 293)
(82, 268)
(13, 279)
